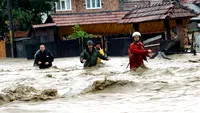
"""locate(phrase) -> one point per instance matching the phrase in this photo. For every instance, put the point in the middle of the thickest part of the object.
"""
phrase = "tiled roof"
(157, 12)
(43, 25)
(88, 18)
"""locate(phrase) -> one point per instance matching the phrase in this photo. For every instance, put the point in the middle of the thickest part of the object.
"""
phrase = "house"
(97, 17)
(42, 33)
(80, 6)
(87, 13)
(113, 21)
(161, 18)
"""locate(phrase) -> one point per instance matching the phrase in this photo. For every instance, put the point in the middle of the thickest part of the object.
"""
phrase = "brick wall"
(145, 1)
(129, 5)
(79, 6)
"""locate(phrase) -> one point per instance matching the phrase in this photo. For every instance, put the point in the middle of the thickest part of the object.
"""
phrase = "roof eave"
(66, 25)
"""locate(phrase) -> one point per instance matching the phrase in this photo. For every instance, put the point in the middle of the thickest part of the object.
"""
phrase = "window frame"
(60, 2)
(95, 4)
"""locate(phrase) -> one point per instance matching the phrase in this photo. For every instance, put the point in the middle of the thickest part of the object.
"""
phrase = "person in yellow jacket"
(98, 47)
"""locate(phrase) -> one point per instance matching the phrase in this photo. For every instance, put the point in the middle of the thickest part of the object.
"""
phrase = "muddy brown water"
(168, 86)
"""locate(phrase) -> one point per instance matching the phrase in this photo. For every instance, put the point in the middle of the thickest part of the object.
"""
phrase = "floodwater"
(168, 86)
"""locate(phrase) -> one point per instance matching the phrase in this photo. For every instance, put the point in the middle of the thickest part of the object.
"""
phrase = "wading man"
(90, 55)
(43, 58)
(137, 53)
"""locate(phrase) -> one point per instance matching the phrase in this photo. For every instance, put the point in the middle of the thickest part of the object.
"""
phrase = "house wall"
(144, 1)
(103, 29)
(43, 35)
(79, 6)
(140, 2)
(130, 4)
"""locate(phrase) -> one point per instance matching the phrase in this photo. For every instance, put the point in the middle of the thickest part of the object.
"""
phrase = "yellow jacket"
(100, 51)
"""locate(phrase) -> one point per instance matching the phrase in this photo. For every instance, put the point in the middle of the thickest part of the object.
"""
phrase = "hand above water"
(39, 62)
(83, 60)
(108, 59)
(150, 51)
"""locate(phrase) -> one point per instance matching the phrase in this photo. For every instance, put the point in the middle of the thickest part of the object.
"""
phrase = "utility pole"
(11, 28)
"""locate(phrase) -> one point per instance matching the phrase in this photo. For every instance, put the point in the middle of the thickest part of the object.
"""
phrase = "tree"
(79, 33)
(3, 16)
(25, 13)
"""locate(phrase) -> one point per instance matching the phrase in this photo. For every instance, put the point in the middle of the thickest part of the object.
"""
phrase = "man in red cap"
(137, 52)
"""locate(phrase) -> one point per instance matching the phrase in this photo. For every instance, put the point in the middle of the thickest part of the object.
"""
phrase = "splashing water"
(167, 86)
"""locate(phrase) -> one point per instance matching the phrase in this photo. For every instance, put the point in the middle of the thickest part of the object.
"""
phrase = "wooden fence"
(2, 48)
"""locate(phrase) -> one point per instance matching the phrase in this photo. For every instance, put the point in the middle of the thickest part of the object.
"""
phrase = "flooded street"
(168, 86)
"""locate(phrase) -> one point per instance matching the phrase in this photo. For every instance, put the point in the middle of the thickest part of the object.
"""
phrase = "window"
(93, 4)
(63, 5)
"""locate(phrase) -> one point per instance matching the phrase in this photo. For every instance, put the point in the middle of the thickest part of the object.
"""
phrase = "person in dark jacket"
(44, 58)
(90, 55)
(35, 63)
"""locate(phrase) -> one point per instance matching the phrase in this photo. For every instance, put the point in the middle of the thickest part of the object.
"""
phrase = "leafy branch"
(79, 33)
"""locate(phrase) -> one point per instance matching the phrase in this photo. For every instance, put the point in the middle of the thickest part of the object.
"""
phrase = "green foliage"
(79, 33)
(25, 13)
(22, 18)
(3, 16)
